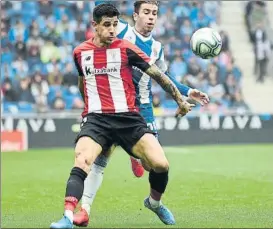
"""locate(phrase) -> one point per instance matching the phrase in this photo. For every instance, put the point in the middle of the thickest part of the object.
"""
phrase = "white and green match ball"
(206, 43)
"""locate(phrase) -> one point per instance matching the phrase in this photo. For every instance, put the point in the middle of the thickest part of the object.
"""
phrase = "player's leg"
(86, 151)
(139, 166)
(91, 185)
(94, 179)
(152, 126)
(151, 152)
(135, 137)
(92, 139)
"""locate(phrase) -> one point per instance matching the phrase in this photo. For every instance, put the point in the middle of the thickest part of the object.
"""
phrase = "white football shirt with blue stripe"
(154, 50)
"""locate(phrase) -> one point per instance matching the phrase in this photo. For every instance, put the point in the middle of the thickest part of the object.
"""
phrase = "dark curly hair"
(104, 10)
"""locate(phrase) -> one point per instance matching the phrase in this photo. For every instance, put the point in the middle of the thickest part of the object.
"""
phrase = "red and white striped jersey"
(107, 75)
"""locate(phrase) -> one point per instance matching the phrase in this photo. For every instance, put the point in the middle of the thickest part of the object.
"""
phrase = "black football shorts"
(124, 129)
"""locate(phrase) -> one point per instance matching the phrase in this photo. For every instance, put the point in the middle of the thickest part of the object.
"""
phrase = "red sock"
(70, 203)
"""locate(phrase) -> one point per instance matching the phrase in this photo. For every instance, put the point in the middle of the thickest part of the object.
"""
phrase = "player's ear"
(94, 24)
(135, 16)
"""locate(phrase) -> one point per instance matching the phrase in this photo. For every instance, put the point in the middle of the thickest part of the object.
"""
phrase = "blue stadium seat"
(69, 101)
(52, 92)
(10, 107)
(25, 107)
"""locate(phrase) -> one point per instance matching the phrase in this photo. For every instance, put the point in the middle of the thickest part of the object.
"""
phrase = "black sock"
(75, 183)
(158, 181)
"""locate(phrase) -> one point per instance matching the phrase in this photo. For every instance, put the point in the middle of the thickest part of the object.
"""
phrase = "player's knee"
(146, 166)
(83, 157)
(82, 160)
(86, 151)
(161, 166)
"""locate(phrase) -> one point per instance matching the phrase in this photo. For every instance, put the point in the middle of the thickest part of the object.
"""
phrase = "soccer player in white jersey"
(145, 16)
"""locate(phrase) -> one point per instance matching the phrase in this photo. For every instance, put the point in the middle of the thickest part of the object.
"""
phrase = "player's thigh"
(151, 152)
(130, 130)
(148, 116)
(86, 151)
(93, 138)
(139, 141)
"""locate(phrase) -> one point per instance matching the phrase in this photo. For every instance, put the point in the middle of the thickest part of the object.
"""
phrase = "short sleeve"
(136, 57)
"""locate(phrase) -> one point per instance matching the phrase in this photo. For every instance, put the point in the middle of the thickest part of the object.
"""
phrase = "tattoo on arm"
(164, 81)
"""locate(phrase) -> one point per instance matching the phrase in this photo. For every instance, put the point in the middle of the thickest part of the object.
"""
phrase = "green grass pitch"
(209, 186)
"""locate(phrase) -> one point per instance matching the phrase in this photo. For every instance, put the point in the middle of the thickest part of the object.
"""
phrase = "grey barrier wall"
(50, 132)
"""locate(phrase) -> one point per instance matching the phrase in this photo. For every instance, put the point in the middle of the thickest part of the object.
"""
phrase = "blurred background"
(38, 38)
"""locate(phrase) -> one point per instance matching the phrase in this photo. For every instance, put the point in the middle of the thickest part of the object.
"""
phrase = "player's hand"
(184, 108)
(199, 96)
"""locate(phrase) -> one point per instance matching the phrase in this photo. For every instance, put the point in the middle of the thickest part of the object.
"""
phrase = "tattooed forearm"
(165, 82)
(80, 85)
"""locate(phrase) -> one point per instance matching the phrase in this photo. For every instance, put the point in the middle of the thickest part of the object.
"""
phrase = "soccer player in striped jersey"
(145, 16)
(111, 114)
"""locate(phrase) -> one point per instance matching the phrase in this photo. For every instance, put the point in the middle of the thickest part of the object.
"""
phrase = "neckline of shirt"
(141, 36)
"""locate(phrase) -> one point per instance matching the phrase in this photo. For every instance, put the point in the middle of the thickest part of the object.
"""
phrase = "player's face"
(107, 29)
(145, 20)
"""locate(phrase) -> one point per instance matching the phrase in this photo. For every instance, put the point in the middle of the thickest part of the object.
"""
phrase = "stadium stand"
(38, 37)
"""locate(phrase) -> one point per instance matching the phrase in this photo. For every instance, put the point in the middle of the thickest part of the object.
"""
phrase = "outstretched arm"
(139, 59)
(194, 94)
(164, 81)
(198, 96)
(161, 63)
(184, 89)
